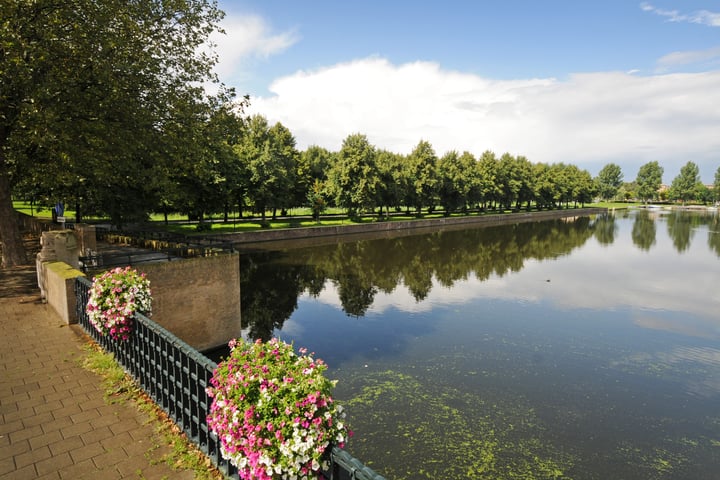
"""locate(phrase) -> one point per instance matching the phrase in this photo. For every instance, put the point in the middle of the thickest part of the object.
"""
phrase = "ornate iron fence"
(175, 376)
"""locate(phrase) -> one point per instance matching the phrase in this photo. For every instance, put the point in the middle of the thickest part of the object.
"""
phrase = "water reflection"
(643, 231)
(358, 271)
(584, 348)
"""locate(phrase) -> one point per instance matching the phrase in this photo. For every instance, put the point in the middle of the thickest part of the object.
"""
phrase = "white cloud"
(588, 120)
(689, 57)
(703, 17)
(247, 37)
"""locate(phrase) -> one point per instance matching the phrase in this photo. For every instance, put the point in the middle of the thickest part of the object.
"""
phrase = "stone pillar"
(56, 246)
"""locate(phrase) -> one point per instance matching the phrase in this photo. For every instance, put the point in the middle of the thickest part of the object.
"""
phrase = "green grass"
(615, 205)
(298, 217)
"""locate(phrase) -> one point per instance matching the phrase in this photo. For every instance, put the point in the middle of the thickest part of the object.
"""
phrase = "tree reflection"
(714, 234)
(269, 290)
(680, 229)
(605, 229)
(643, 230)
(271, 282)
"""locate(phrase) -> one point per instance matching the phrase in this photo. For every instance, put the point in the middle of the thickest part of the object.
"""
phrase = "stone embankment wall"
(197, 299)
(410, 227)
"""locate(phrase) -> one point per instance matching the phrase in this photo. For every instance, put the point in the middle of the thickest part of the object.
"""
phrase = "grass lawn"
(297, 217)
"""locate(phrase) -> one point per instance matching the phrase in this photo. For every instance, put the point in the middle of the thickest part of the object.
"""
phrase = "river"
(581, 348)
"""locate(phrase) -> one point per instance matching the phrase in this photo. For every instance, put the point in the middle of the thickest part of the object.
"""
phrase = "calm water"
(576, 349)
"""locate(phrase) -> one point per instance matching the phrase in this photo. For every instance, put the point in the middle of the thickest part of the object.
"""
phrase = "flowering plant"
(273, 412)
(115, 296)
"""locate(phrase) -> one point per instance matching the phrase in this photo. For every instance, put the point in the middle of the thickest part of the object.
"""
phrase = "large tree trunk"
(13, 251)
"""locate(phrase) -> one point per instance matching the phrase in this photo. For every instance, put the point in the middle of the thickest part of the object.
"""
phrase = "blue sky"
(557, 81)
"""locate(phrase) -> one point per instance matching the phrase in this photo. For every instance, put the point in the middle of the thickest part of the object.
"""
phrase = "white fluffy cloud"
(247, 37)
(588, 119)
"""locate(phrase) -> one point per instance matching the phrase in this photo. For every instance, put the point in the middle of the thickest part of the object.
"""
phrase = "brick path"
(54, 421)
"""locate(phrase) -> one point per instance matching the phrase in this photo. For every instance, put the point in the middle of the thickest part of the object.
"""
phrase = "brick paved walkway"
(54, 421)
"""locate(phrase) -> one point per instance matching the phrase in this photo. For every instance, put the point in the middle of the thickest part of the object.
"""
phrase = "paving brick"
(56, 424)
(49, 476)
(45, 439)
(83, 469)
(25, 433)
(11, 426)
(38, 419)
(110, 457)
(48, 407)
(87, 452)
(76, 429)
(32, 456)
(54, 421)
(13, 449)
(28, 387)
(97, 435)
(85, 416)
(7, 465)
(66, 445)
(66, 411)
(53, 464)
(22, 474)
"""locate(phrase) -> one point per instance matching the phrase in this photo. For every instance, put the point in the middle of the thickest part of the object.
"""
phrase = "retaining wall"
(400, 228)
(197, 299)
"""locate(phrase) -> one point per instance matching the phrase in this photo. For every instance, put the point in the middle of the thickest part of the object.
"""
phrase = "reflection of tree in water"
(605, 229)
(680, 229)
(643, 230)
(355, 296)
(269, 290)
(272, 281)
(714, 234)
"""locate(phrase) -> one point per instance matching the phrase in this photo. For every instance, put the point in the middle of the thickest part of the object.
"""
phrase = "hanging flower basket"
(273, 412)
(115, 296)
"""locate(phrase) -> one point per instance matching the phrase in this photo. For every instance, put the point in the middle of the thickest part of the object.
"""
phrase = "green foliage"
(648, 180)
(684, 187)
(99, 99)
(354, 178)
(609, 181)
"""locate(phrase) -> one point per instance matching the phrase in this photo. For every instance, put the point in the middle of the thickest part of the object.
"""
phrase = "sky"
(584, 83)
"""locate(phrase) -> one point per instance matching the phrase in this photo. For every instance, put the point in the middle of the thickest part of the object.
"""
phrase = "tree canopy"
(97, 97)
(609, 181)
(649, 179)
(685, 186)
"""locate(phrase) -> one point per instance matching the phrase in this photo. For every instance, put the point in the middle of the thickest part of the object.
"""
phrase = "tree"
(206, 173)
(311, 173)
(421, 174)
(353, 179)
(88, 90)
(271, 159)
(453, 188)
(583, 187)
(488, 167)
(684, 186)
(608, 181)
(286, 156)
(649, 179)
(390, 188)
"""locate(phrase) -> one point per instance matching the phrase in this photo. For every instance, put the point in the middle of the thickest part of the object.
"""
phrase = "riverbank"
(397, 228)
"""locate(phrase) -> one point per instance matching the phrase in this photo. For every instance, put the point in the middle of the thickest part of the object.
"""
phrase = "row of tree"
(103, 107)
(685, 187)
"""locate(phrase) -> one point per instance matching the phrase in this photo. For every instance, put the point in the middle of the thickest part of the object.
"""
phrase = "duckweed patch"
(441, 432)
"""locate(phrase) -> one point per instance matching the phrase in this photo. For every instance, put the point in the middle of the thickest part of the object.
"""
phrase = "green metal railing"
(175, 375)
